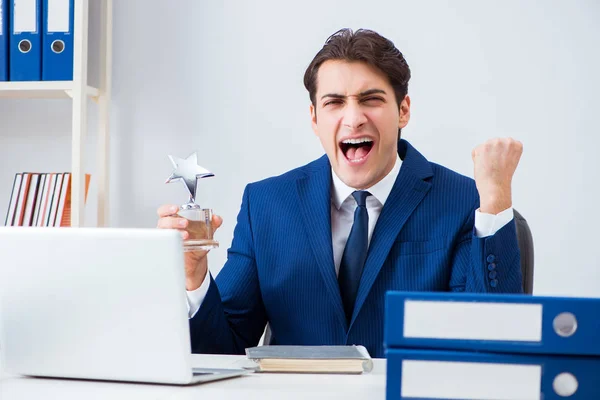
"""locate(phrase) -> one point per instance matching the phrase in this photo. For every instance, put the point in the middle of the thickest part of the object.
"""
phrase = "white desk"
(259, 386)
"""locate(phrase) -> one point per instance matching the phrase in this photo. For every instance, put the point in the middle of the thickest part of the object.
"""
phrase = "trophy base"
(200, 245)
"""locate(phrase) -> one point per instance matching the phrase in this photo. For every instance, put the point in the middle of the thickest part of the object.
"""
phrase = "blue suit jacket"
(280, 266)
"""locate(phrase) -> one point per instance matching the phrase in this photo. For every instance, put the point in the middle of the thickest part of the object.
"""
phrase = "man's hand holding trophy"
(196, 224)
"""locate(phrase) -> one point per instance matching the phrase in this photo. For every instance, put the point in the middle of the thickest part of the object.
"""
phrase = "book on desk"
(311, 359)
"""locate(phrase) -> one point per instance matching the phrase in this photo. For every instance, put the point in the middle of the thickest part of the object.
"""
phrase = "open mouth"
(356, 150)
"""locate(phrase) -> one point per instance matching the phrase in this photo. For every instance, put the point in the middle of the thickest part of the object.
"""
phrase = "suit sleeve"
(232, 316)
(490, 264)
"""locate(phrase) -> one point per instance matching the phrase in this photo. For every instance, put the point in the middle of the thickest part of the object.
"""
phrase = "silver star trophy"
(199, 227)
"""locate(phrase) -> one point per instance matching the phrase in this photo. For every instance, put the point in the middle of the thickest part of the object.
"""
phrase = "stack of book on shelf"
(41, 199)
(491, 346)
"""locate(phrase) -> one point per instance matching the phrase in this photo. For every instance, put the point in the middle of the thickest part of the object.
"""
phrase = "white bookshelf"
(42, 90)
(79, 91)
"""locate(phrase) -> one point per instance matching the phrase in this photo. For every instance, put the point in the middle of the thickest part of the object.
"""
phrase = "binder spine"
(57, 39)
(499, 323)
(469, 375)
(4, 40)
(25, 62)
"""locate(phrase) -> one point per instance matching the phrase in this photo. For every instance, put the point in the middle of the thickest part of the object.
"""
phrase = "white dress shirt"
(342, 218)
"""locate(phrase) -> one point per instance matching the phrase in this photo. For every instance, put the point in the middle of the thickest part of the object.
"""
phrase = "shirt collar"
(381, 190)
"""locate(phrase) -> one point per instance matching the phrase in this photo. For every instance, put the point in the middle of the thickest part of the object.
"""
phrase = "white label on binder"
(25, 14)
(470, 380)
(58, 15)
(472, 320)
(1, 30)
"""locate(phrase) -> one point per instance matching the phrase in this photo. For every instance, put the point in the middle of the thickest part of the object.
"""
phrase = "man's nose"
(354, 117)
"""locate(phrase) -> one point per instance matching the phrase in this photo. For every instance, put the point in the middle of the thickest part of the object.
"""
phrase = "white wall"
(225, 78)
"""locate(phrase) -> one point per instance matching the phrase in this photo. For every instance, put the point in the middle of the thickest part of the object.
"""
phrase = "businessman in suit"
(315, 249)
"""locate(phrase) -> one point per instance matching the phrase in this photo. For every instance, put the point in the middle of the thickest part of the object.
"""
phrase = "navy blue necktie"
(355, 254)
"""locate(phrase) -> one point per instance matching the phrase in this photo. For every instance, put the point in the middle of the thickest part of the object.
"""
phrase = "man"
(315, 249)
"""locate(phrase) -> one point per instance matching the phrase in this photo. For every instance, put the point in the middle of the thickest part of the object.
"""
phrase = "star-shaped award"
(188, 171)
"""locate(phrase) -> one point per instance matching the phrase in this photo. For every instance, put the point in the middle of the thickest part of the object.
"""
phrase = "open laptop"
(96, 303)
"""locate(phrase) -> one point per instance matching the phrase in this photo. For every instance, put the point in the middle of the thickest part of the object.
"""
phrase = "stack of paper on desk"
(491, 346)
(311, 359)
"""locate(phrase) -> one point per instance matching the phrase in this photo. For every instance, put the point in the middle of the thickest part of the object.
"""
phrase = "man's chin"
(355, 181)
(357, 177)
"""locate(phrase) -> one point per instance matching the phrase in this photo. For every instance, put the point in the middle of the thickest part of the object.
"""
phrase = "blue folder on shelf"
(3, 40)
(25, 43)
(57, 39)
(434, 374)
(506, 323)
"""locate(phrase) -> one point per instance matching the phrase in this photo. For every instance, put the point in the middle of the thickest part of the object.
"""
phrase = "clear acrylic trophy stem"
(199, 227)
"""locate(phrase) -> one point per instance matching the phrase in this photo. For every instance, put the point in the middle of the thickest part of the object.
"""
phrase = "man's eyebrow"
(361, 94)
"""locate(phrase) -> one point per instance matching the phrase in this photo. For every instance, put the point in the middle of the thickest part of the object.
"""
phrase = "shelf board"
(41, 90)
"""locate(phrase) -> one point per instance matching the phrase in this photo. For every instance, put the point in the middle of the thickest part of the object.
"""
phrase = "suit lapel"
(408, 191)
(314, 191)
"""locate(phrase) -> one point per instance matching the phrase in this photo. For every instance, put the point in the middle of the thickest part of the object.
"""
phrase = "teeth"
(357, 141)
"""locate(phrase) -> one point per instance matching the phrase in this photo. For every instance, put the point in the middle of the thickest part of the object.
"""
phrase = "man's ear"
(313, 118)
(404, 112)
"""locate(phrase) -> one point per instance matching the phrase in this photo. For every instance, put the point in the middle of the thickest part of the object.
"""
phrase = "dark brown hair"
(363, 45)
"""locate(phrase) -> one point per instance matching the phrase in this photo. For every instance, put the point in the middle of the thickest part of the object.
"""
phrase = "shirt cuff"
(196, 297)
(489, 224)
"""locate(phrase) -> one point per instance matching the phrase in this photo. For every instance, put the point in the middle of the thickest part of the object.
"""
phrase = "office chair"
(525, 240)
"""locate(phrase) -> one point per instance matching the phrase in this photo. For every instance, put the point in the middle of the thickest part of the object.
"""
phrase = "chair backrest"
(525, 240)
